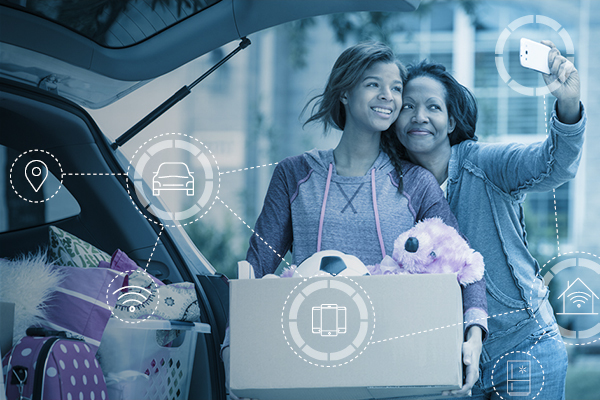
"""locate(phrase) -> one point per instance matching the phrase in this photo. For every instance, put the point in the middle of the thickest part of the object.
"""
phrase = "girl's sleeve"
(539, 167)
(474, 295)
(475, 307)
(272, 236)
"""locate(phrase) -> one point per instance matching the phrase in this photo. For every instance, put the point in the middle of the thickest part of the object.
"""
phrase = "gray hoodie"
(308, 205)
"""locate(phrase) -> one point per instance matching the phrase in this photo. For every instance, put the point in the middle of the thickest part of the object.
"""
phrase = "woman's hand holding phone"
(567, 91)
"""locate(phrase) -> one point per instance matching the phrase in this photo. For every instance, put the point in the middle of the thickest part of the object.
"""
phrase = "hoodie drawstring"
(323, 207)
(375, 210)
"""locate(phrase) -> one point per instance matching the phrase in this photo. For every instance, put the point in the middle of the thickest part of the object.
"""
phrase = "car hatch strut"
(174, 99)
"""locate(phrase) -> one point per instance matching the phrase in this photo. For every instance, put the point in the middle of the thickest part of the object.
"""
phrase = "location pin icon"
(36, 173)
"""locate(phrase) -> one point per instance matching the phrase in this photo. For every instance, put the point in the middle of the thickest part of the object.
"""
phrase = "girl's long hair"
(346, 73)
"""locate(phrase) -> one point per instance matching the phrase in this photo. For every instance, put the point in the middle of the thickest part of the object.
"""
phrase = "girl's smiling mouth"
(381, 110)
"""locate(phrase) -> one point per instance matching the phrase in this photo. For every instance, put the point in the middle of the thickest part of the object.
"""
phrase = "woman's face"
(373, 104)
(424, 124)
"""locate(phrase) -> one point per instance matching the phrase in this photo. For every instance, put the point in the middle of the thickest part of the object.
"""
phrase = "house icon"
(578, 299)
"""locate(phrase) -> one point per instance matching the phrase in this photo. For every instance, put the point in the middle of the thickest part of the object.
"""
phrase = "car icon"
(173, 176)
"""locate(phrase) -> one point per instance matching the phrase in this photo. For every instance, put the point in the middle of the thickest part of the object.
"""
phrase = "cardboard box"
(366, 337)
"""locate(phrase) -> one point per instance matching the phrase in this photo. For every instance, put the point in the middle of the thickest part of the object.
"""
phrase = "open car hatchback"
(58, 57)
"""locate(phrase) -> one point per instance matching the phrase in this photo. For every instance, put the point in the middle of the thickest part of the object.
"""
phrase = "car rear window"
(115, 23)
(44, 206)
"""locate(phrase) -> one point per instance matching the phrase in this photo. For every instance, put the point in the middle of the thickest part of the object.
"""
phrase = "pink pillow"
(81, 304)
(137, 276)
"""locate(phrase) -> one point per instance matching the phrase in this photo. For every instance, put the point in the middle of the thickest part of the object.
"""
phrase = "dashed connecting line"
(553, 189)
(162, 228)
(247, 169)
(92, 174)
(451, 325)
(135, 321)
(253, 231)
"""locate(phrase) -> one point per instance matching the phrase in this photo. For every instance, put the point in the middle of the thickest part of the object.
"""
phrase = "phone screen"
(328, 320)
(341, 328)
(316, 319)
(534, 55)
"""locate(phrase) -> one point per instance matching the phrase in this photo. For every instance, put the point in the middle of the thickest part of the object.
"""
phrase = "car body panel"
(37, 114)
(184, 41)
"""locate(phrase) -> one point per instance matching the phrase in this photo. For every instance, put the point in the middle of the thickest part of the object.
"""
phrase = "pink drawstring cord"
(324, 206)
(377, 214)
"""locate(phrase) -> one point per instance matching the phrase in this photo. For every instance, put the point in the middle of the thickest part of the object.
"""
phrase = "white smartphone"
(534, 55)
(329, 320)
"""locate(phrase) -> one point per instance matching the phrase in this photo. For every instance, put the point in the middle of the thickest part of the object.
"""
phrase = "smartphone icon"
(534, 55)
(329, 319)
(518, 382)
(316, 320)
(341, 325)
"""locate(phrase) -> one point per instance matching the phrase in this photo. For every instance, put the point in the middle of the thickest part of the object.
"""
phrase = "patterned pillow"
(146, 294)
(176, 301)
(68, 250)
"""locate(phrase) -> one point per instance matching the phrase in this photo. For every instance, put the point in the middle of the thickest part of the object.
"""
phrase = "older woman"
(485, 185)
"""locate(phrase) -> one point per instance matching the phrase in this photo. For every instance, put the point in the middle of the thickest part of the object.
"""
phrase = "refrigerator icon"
(518, 382)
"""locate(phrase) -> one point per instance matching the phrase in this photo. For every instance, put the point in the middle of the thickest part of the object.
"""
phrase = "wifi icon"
(578, 299)
(133, 296)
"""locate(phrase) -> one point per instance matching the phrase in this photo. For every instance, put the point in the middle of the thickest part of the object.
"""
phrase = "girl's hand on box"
(471, 351)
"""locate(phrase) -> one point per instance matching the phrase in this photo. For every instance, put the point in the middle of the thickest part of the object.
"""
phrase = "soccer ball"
(330, 262)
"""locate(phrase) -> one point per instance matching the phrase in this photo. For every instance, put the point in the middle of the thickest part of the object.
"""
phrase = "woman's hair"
(460, 102)
(345, 74)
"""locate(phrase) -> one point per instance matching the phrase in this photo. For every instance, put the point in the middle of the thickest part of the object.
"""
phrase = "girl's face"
(373, 104)
(424, 124)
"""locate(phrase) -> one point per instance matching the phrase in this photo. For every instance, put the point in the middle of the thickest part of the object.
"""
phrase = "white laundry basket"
(137, 365)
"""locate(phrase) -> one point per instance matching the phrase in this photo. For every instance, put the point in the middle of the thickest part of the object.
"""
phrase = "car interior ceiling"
(106, 220)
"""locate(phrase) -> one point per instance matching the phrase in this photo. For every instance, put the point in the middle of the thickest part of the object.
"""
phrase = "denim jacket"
(487, 184)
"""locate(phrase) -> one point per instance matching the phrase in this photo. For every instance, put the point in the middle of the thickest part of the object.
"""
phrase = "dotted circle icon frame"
(303, 290)
(517, 23)
(529, 355)
(137, 178)
(554, 270)
(60, 177)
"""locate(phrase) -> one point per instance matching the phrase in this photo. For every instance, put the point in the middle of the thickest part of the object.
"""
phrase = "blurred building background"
(248, 113)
